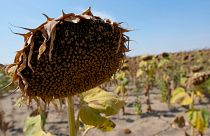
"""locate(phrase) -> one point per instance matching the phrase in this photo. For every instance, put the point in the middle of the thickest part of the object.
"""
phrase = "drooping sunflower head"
(198, 78)
(68, 55)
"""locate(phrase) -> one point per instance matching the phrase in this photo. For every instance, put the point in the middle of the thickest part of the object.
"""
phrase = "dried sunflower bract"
(69, 55)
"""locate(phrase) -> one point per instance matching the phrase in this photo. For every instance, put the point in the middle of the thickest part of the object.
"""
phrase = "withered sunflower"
(68, 55)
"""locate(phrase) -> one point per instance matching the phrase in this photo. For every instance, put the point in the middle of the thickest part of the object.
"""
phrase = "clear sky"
(159, 25)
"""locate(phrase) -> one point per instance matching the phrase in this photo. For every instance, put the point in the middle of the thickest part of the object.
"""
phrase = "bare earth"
(157, 123)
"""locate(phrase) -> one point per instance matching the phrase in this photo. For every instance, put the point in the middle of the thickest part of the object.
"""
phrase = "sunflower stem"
(192, 108)
(71, 118)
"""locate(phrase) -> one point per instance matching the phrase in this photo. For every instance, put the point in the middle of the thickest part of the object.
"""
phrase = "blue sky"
(159, 25)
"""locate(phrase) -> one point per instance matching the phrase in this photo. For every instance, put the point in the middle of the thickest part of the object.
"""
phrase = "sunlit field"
(165, 94)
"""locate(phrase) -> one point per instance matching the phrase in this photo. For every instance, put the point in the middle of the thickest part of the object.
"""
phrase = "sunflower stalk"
(71, 118)
(192, 108)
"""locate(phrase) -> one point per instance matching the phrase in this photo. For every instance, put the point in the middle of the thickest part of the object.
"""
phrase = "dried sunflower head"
(196, 69)
(146, 57)
(198, 78)
(69, 55)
